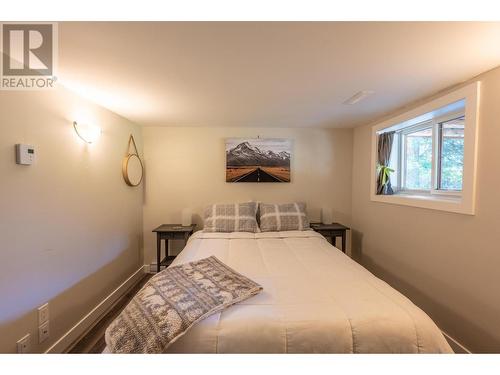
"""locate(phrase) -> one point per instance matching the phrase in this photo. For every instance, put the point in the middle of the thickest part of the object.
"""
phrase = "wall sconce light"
(88, 133)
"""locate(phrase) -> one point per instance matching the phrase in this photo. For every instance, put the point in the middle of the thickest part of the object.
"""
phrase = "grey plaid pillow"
(282, 217)
(233, 217)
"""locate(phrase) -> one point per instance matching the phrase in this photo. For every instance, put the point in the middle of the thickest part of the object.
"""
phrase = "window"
(451, 154)
(417, 156)
(430, 156)
(433, 154)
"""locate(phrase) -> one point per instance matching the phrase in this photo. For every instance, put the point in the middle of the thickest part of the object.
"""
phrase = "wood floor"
(93, 341)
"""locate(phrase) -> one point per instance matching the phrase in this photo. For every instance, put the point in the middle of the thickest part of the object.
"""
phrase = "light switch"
(25, 154)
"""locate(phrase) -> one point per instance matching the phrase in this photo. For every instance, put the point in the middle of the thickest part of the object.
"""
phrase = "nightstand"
(170, 232)
(331, 230)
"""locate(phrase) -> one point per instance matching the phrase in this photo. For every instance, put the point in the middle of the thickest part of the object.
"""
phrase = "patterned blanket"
(173, 301)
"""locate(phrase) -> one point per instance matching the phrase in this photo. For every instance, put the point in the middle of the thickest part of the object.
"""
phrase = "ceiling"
(293, 74)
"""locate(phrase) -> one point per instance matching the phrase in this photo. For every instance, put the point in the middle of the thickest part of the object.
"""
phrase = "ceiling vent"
(356, 98)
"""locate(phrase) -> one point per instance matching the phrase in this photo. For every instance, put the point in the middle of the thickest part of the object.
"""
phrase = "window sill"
(448, 203)
(437, 196)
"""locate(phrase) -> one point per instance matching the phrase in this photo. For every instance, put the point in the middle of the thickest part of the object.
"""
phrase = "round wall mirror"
(132, 167)
(132, 170)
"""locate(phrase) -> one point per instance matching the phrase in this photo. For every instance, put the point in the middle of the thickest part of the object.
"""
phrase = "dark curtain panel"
(384, 149)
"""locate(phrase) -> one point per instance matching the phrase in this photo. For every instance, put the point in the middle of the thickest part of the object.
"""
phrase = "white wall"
(446, 263)
(70, 229)
(185, 167)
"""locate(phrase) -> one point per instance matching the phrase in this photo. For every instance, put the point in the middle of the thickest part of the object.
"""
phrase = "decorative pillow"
(233, 217)
(282, 217)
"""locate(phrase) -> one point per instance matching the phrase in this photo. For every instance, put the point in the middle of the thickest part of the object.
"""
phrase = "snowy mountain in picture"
(258, 160)
(246, 154)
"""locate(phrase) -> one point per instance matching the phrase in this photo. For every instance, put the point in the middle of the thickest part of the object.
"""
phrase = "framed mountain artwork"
(258, 160)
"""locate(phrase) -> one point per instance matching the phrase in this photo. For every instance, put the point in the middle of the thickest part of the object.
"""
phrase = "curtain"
(384, 149)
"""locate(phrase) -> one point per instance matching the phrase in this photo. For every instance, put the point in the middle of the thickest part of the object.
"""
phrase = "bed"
(315, 300)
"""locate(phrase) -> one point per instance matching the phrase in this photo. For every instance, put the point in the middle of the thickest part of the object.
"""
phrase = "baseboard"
(87, 322)
(455, 345)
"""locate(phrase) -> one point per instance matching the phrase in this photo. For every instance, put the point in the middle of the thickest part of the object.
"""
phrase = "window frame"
(435, 125)
(439, 154)
(432, 111)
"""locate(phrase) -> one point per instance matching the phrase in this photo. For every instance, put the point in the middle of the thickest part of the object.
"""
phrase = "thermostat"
(25, 154)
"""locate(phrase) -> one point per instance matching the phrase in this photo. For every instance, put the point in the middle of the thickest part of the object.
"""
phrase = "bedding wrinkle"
(291, 250)
(369, 282)
(267, 273)
(311, 270)
(284, 325)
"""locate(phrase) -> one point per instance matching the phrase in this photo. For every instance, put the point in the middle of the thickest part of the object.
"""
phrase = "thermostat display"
(25, 154)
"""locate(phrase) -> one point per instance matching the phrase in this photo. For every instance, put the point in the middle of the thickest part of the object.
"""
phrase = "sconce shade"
(86, 132)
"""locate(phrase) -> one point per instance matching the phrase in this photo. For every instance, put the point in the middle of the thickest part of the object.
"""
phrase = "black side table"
(170, 232)
(331, 230)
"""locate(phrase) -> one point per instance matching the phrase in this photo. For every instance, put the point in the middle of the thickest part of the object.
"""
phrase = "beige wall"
(70, 229)
(446, 263)
(185, 167)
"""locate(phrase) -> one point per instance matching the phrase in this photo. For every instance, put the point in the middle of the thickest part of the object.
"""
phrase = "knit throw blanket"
(173, 301)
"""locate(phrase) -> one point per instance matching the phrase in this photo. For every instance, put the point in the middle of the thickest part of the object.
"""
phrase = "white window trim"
(445, 201)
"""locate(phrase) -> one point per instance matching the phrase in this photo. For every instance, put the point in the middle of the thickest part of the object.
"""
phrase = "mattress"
(315, 300)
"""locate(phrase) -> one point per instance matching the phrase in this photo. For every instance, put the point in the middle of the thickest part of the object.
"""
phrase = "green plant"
(385, 173)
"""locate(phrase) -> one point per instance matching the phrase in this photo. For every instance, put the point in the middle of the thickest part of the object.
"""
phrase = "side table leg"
(158, 252)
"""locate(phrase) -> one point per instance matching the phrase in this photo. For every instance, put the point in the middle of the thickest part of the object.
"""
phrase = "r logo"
(27, 50)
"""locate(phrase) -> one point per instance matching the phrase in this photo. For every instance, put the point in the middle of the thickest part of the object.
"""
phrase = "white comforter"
(315, 300)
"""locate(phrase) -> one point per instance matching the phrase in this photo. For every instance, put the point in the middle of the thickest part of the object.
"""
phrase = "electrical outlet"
(43, 314)
(24, 344)
(43, 332)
